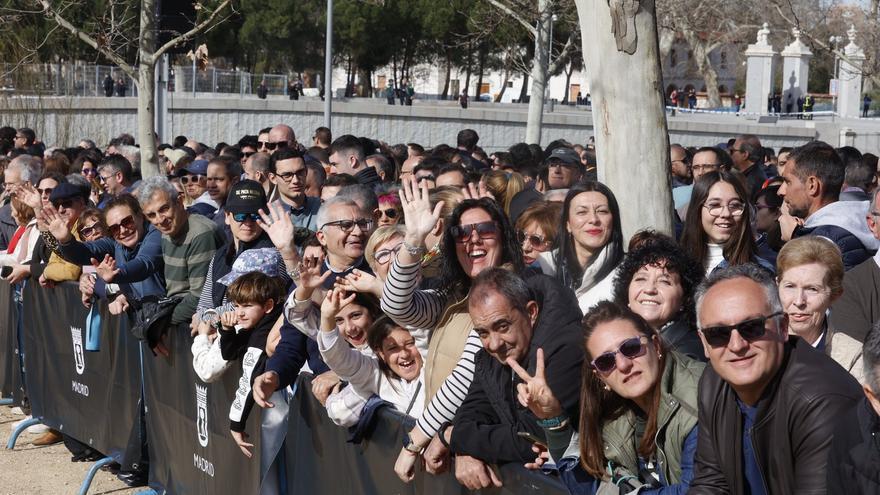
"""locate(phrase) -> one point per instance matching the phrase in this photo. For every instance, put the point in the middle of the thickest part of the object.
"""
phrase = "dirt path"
(30, 470)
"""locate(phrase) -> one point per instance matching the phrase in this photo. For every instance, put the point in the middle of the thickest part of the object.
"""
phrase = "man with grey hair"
(23, 168)
(770, 401)
(133, 155)
(115, 174)
(343, 230)
(362, 195)
(188, 244)
(855, 454)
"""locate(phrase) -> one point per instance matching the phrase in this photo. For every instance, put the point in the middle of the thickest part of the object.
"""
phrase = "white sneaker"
(20, 421)
(37, 429)
(17, 410)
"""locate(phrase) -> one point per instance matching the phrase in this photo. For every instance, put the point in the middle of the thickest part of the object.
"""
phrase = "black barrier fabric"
(191, 449)
(90, 396)
(10, 373)
(319, 461)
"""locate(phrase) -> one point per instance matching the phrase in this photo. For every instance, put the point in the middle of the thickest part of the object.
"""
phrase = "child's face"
(249, 314)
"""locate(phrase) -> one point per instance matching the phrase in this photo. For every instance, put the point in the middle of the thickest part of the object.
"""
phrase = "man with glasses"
(347, 157)
(343, 230)
(748, 157)
(523, 325)
(811, 187)
(770, 401)
(114, 173)
(288, 171)
(24, 138)
(281, 136)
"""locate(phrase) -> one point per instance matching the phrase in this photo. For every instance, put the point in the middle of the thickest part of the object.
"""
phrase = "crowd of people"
(493, 297)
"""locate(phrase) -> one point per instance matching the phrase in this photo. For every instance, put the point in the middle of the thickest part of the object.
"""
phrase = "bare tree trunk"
(568, 72)
(540, 64)
(467, 77)
(704, 66)
(482, 63)
(638, 175)
(146, 88)
(445, 94)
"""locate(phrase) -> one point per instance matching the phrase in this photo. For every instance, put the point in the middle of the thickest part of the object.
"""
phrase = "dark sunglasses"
(248, 154)
(279, 145)
(63, 203)
(186, 179)
(89, 171)
(535, 240)
(244, 217)
(127, 223)
(629, 348)
(47, 191)
(750, 330)
(88, 231)
(390, 212)
(461, 233)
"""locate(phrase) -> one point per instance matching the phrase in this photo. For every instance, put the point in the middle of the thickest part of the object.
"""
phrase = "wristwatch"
(555, 423)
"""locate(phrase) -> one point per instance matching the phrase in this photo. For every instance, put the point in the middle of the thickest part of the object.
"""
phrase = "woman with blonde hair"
(504, 186)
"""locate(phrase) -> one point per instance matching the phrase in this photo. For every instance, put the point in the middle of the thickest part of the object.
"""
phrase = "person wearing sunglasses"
(770, 402)
(589, 245)
(637, 425)
(68, 201)
(194, 180)
(130, 258)
(476, 236)
(536, 230)
(280, 137)
(115, 175)
(656, 280)
(389, 212)
(718, 227)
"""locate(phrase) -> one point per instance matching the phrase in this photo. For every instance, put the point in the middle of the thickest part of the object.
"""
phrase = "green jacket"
(677, 417)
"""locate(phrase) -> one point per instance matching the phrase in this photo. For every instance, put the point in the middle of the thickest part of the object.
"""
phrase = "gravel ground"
(30, 470)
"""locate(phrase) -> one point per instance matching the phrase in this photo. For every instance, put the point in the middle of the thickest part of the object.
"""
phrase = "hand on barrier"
(405, 466)
(264, 386)
(360, 281)
(475, 474)
(46, 283)
(437, 457)
(119, 305)
(323, 384)
(240, 438)
(87, 301)
(543, 455)
(87, 284)
(19, 273)
(534, 393)
(106, 268)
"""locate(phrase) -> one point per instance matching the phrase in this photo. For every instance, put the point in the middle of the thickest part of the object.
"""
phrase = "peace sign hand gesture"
(534, 393)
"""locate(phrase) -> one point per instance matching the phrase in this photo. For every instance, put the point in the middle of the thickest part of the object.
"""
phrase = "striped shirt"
(186, 263)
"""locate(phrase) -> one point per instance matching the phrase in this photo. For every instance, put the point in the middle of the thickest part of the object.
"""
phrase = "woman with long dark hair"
(589, 243)
(476, 236)
(638, 418)
(718, 226)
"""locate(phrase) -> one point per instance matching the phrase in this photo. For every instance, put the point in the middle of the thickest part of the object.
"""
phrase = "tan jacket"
(447, 345)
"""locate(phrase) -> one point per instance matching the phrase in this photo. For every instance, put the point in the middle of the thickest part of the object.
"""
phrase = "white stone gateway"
(795, 71)
(850, 78)
(760, 66)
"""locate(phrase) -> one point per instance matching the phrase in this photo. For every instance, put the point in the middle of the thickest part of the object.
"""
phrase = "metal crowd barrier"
(93, 396)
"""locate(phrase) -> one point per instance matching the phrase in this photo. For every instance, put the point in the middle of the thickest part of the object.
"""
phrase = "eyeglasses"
(299, 174)
(47, 191)
(750, 330)
(126, 223)
(461, 233)
(63, 203)
(244, 217)
(735, 208)
(708, 167)
(390, 212)
(535, 240)
(89, 171)
(88, 231)
(186, 179)
(348, 225)
(262, 144)
(272, 146)
(103, 178)
(629, 348)
(383, 256)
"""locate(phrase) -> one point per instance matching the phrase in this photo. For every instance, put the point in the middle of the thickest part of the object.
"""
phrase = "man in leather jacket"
(769, 404)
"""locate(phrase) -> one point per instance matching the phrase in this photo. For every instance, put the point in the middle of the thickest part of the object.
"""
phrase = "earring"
(607, 388)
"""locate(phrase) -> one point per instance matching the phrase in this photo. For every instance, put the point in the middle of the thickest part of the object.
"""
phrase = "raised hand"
(106, 268)
(54, 223)
(334, 301)
(277, 224)
(420, 217)
(360, 281)
(472, 191)
(310, 276)
(534, 393)
(28, 194)
(228, 320)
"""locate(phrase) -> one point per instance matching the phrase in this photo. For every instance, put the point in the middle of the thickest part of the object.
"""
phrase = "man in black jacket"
(514, 319)
(855, 452)
(770, 402)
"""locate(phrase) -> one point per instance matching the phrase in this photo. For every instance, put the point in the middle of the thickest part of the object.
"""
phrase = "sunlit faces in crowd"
(218, 183)
(505, 330)
(124, 225)
(396, 348)
(45, 188)
(722, 212)
(345, 234)
(477, 241)
(166, 213)
(290, 177)
(536, 229)
(656, 294)
(193, 185)
(590, 222)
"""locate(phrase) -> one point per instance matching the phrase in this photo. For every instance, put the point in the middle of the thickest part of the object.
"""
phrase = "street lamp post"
(328, 66)
(553, 19)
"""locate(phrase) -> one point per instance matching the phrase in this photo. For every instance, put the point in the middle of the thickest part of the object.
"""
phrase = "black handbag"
(152, 317)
